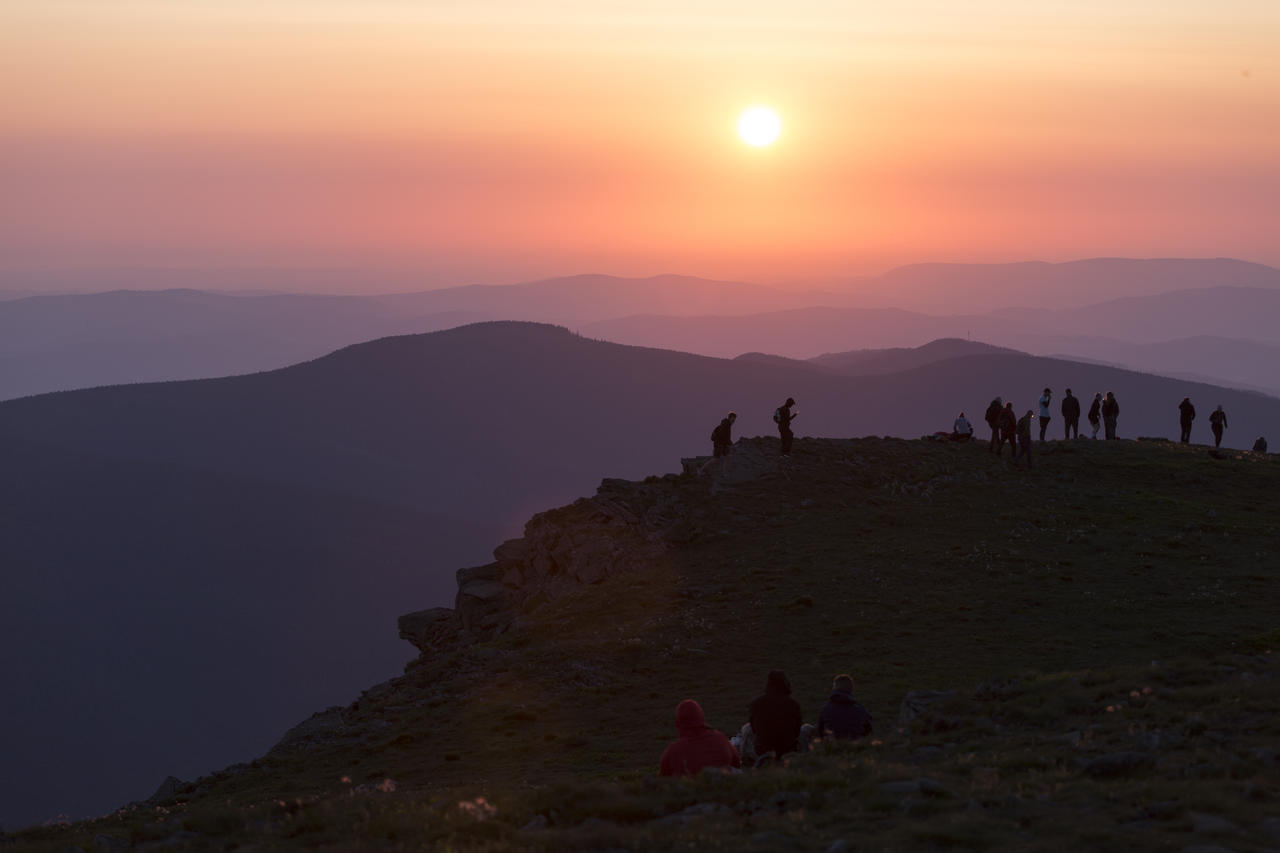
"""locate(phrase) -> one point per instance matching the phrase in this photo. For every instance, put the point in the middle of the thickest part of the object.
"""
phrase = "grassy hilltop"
(1107, 621)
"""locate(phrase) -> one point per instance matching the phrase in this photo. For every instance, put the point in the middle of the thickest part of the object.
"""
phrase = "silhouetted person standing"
(1217, 423)
(1044, 411)
(783, 417)
(722, 436)
(843, 716)
(1008, 430)
(1186, 414)
(992, 418)
(1260, 446)
(1095, 414)
(1110, 414)
(1024, 439)
(776, 717)
(1070, 415)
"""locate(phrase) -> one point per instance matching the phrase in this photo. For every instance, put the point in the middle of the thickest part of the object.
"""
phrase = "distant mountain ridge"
(53, 343)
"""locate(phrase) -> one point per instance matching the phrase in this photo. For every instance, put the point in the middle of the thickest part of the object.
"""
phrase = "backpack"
(716, 433)
(777, 415)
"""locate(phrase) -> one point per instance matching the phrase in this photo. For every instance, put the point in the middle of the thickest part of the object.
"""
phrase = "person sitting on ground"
(961, 430)
(783, 416)
(1217, 423)
(1186, 414)
(776, 718)
(1044, 411)
(697, 747)
(992, 418)
(1024, 439)
(1095, 414)
(1260, 446)
(1070, 415)
(843, 716)
(1008, 430)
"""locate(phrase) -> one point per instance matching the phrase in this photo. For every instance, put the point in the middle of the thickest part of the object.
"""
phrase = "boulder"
(430, 629)
(919, 703)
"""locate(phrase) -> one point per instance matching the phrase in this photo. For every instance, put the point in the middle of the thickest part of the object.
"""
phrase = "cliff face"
(624, 527)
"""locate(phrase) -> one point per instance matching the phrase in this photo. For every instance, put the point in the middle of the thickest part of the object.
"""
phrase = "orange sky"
(512, 139)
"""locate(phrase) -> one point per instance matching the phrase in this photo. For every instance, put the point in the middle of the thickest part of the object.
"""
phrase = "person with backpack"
(843, 717)
(1008, 430)
(721, 441)
(1044, 411)
(1217, 423)
(1070, 415)
(1095, 414)
(993, 420)
(776, 718)
(697, 746)
(1110, 413)
(1024, 439)
(1260, 446)
(1186, 414)
(783, 416)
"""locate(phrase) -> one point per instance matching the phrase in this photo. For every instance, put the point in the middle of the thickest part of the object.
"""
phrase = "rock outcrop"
(623, 527)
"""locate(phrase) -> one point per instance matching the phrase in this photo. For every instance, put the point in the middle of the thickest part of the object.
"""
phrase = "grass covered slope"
(1105, 619)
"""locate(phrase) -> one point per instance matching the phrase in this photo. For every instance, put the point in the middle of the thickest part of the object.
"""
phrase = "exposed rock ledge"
(624, 527)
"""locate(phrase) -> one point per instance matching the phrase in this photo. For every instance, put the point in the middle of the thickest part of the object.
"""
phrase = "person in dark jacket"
(1217, 423)
(1024, 438)
(992, 418)
(776, 717)
(1095, 414)
(722, 436)
(697, 747)
(783, 417)
(843, 716)
(1186, 414)
(1008, 430)
(1070, 415)
(1110, 414)
(1260, 446)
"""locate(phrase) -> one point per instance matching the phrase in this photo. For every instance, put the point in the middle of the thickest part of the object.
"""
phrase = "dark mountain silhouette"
(895, 359)
(54, 343)
(266, 503)
(73, 341)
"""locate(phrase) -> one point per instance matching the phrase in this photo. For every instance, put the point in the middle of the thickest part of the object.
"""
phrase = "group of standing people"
(776, 727)
(1217, 423)
(1006, 426)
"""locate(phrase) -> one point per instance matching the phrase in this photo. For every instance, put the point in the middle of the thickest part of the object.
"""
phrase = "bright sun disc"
(759, 126)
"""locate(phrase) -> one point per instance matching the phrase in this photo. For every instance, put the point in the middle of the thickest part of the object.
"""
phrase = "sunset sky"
(501, 140)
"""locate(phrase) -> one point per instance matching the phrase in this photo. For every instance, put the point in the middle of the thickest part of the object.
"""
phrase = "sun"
(759, 126)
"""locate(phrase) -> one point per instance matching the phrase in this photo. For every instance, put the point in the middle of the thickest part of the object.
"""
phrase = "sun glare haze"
(503, 140)
(759, 126)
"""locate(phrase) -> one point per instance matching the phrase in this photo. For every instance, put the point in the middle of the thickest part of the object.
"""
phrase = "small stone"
(1202, 822)
(904, 786)
(1270, 828)
(1118, 764)
(539, 822)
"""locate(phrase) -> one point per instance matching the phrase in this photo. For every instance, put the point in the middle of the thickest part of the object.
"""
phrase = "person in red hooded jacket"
(697, 747)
